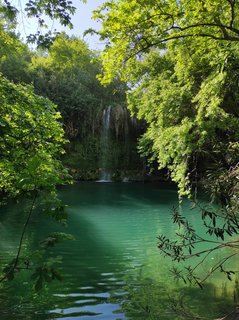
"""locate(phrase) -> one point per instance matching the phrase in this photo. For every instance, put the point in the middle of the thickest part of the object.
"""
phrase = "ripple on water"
(88, 305)
(100, 311)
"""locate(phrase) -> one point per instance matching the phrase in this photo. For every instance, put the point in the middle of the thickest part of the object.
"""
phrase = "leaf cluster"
(31, 141)
(42, 11)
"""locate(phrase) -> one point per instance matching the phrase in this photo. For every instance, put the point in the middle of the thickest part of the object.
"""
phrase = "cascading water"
(106, 120)
(105, 172)
(117, 144)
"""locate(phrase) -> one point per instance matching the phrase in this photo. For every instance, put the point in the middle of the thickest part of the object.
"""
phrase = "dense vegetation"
(66, 74)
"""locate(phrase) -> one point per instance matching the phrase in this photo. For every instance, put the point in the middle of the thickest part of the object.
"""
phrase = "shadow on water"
(119, 194)
(154, 300)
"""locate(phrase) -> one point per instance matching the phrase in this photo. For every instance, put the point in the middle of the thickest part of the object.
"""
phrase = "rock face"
(108, 146)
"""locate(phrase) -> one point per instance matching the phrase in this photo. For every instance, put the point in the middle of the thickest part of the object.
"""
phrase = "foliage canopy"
(67, 76)
(31, 140)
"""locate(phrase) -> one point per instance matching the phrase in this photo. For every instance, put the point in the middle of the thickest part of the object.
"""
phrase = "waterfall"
(106, 121)
(105, 172)
(117, 144)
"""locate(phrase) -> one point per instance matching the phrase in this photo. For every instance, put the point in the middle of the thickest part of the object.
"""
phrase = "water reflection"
(154, 300)
(113, 269)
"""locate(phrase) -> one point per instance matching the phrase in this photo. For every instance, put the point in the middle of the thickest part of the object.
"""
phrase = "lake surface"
(113, 269)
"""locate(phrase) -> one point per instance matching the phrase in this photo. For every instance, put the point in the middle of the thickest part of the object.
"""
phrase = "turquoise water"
(113, 269)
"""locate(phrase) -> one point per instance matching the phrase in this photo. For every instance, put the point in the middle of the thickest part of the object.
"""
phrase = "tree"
(42, 10)
(131, 29)
(181, 61)
(67, 76)
(15, 58)
(186, 82)
(31, 142)
(31, 145)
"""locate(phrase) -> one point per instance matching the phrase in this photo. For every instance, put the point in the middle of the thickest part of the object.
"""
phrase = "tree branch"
(218, 265)
(12, 269)
(232, 5)
(203, 35)
(217, 24)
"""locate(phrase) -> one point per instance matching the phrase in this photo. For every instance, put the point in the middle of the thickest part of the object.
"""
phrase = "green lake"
(113, 269)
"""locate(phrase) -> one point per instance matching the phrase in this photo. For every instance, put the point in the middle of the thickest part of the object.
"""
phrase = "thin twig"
(218, 265)
(21, 238)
